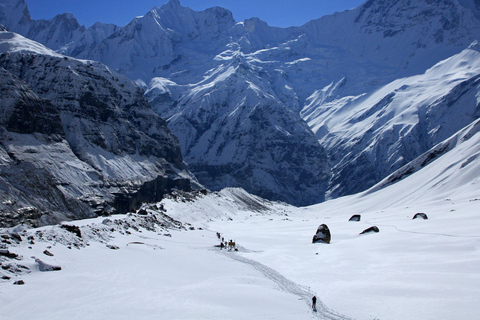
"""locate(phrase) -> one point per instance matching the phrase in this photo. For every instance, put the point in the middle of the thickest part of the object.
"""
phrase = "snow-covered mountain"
(207, 75)
(83, 133)
(384, 98)
(53, 33)
(372, 135)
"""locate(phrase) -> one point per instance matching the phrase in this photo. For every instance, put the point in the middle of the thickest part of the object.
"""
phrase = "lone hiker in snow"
(314, 303)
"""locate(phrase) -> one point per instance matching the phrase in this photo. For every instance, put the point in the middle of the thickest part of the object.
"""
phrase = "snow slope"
(410, 269)
(369, 136)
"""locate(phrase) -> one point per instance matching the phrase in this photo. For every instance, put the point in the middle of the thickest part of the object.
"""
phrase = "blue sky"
(281, 13)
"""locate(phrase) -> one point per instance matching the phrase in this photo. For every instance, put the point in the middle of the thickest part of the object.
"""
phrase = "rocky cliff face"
(77, 139)
(240, 134)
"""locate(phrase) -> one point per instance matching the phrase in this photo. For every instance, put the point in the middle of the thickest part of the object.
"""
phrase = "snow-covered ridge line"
(431, 155)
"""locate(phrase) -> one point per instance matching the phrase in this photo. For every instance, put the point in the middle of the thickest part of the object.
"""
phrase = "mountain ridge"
(94, 146)
(325, 66)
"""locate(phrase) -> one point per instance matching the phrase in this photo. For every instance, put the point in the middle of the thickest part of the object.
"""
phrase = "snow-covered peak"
(192, 24)
(14, 15)
(54, 33)
(172, 4)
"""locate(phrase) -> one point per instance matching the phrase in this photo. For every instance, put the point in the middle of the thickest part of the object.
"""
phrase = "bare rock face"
(323, 235)
(77, 140)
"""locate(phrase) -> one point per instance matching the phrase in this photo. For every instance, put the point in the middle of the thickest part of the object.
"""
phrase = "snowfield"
(165, 261)
(411, 269)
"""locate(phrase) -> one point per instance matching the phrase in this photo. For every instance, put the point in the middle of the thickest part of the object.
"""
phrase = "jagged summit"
(172, 4)
(14, 14)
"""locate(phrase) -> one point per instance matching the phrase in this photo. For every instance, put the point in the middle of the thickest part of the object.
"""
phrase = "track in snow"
(288, 286)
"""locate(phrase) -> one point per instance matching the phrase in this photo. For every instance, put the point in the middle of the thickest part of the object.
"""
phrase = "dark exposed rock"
(420, 215)
(48, 253)
(355, 217)
(113, 247)
(8, 254)
(73, 229)
(372, 229)
(323, 235)
(142, 212)
(15, 268)
(19, 282)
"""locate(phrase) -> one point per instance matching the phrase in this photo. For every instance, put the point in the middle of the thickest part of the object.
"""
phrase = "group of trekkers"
(230, 245)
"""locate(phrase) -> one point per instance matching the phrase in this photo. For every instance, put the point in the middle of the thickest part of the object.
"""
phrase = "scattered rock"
(355, 217)
(15, 268)
(16, 237)
(420, 215)
(8, 254)
(48, 253)
(19, 282)
(113, 247)
(322, 235)
(370, 230)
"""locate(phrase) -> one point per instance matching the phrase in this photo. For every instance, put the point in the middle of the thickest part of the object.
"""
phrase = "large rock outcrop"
(77, 139)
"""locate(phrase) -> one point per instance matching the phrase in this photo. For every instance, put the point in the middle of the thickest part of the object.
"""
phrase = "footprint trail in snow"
(288, 286)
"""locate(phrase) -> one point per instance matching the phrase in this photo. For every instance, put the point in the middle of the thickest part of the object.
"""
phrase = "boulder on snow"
(48, 253)
(420, 215)
(370, 230)
(42, 266)
(355, 217)
(322, 235)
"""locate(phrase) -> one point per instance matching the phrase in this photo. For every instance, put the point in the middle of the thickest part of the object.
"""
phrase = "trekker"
(314, 303)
